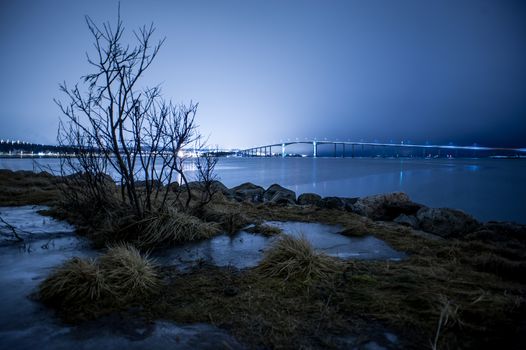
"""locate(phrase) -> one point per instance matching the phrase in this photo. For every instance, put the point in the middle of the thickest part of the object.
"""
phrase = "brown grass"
(273, 309)
(86, 288)
(501, 266)
(171, 227)
(294, 258)
(265, 230)
(227, 215)
(25, 188)
(77, 281)
(129, 274)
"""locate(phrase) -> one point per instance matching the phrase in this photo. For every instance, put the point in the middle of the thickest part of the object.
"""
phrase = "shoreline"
(487, 189)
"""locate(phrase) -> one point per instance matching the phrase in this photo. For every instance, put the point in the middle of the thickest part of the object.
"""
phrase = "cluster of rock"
(396, 206)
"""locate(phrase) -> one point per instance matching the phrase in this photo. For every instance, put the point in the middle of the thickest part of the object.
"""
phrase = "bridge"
(350, 146)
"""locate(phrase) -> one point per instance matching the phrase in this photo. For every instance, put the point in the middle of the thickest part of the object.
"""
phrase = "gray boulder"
(156, 184)
(173, 186)
(218, 186)
(349, 202)
(407, 220)
(248, 192)
(309, 199)
(392, 210)
(215, 187)
(340, 203)
(331, 203)
(282, 198)
(381, 206)
(194, 185)
(446, 222)
(279, 195)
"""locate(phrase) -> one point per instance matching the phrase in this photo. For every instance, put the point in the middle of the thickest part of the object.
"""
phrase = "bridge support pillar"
(314, 149)
(283, 150)
(352, 151)
(343, 151)
(334, 150)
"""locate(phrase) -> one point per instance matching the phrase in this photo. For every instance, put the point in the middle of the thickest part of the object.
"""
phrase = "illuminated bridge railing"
(349, 148)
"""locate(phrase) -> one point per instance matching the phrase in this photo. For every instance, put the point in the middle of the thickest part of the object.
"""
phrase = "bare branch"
(12, 229)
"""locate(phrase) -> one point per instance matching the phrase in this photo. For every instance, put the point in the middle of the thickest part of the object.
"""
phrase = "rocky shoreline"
(396, 207)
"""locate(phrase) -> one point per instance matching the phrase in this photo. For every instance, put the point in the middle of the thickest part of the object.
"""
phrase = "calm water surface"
(490, 189)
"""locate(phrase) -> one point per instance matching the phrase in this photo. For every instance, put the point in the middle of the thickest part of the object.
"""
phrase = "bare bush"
(115, 124)
(206, 176)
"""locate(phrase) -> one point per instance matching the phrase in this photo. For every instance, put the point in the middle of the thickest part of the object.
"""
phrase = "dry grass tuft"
(265, 230)
(294, 258)
(85, 288)
(448, 315)
(128, 274)
(229, 217)
(501, 266)
(77, 281)
(172, 226)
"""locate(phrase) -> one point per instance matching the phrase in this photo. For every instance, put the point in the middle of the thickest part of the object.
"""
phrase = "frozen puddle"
(28, 222)
(326, 238)
(240, 250)
(26, 324)
(245, 249)
(163, 335)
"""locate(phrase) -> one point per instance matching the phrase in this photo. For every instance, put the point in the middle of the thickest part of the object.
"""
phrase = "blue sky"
(265, 71)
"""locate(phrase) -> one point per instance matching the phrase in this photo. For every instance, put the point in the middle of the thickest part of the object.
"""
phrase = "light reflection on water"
(473, 167)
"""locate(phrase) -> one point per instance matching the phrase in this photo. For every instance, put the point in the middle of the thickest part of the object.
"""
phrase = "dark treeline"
(17, 147)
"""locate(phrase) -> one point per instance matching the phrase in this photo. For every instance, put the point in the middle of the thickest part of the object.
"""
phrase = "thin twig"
(13, 229)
